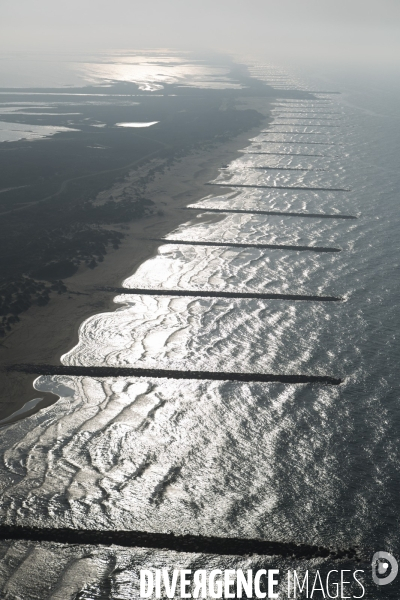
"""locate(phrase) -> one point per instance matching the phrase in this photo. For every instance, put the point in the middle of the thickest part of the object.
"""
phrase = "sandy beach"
(45, 333)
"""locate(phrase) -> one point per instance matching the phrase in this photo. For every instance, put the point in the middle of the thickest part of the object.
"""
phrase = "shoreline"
(56, 325)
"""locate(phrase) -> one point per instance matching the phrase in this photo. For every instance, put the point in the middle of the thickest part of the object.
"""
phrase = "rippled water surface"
(293, 463)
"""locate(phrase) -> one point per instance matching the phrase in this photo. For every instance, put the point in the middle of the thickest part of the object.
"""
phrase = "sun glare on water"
(136, 124)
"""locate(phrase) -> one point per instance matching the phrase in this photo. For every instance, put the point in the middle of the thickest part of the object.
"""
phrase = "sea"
(309, 213)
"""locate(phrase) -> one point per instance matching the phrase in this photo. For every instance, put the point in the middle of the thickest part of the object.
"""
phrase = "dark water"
(290, 463)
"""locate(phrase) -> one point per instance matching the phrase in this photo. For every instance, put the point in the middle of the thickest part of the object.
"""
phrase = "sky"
(347, 31)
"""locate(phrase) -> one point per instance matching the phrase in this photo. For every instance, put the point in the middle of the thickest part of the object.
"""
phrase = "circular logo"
(384, 568)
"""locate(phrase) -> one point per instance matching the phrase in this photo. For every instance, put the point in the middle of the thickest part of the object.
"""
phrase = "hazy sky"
(327, 30)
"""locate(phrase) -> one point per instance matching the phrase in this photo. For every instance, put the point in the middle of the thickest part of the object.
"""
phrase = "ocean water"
(309, 464)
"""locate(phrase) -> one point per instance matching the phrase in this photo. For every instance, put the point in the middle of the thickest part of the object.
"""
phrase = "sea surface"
(304, 463)
(59, 83)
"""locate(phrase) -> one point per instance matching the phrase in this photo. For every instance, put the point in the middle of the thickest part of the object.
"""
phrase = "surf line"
(220, 294)
(92, 371)
(246, 245)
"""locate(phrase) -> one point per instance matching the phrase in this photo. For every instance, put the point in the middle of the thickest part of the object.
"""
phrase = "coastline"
(45, 333)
